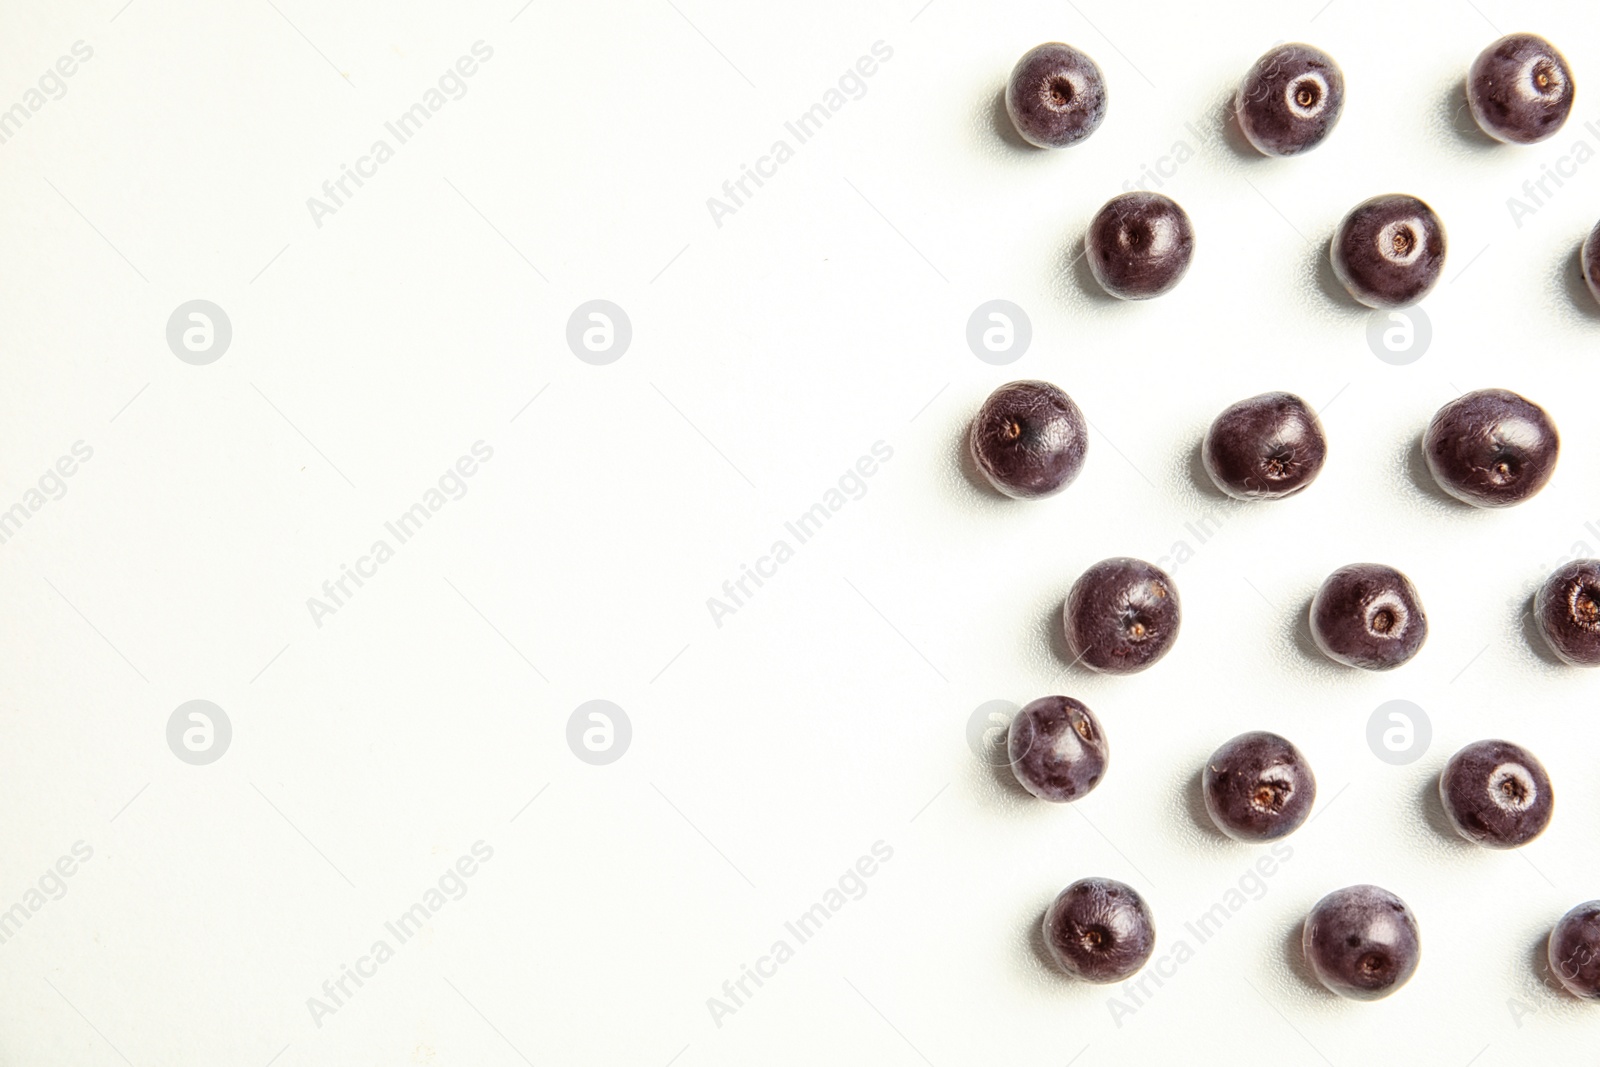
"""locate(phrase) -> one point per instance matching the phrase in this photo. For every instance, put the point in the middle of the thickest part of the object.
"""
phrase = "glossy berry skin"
(1590, 260)
(1574, 951)
(1497, 794)
(1121, 616)
(1567, 610)
(1099, 930)
(1264, 448)
(1058, 751)
(1029, 439)
(1491, 448)
(1291, 100)
(1389, 251)
(1056, 96)
(1362, 942)
(1520, 89)
(1369, 616)
(1258, 787)
(1139, 245)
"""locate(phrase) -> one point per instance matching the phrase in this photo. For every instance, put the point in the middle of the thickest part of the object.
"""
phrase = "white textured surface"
(823, 715)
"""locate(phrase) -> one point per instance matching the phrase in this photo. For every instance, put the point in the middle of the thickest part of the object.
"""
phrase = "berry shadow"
(1037, 960)
(1075, 255)
(1576, 299)
(1304, 642)
(1433, 813)
(1000, 124)
(1227, 115)
(1325, 284)
(1055, 636)
(1194, 805)
(982, 489)
(1202, 480)
(1529, 624)
(1292, 956)
(1424, 485)
(1455, 115)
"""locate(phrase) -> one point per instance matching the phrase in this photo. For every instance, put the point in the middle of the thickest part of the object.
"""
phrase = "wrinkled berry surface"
(1389, 251)
(1589, 257)
(1491, 448)
(1368, 615)
(1258, 787)
(1058, 750)
(1099, 930)
(1121, 616)
(1266, 447)
(1520, 89)
(1029, 439)
(1056, 96)
(1362, 942)
(1139, 245)
(1567, 609)
(1290, 100)
(1497, 794)
(1574, 951)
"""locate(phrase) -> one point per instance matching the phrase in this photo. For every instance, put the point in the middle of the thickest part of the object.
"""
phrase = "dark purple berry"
(1058, 751)
(1369, 616)
(1520, 89)
(1267, 447)
(1121, 616)
(1567, 609)
(1362, 942)
(1389, 250)
(1258, 787)
(1575, 951)
(1099, 930)
(1590, 260)
(1496, 794)
(1491, 448)
(1056, 96)
(1029, 439)
(1290, 100)
(1139, 245)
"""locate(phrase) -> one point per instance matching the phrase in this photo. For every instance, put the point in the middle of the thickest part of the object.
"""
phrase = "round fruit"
(1099, 930)
(1291, 100)
(1139, 245)
(1058, 751)
(1029, 439)
(1264, 448)
(1258, 787)
(1520, 89)
(1389, 251)
(1121, 616)
(1567, 609)
(1497, 794)
(1574, 951)
(1491, 448)
(1362, 942)
(1056, 96)
(1369, 616)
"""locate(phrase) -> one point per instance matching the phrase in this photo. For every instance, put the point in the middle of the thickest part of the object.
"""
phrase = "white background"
(768, 354)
